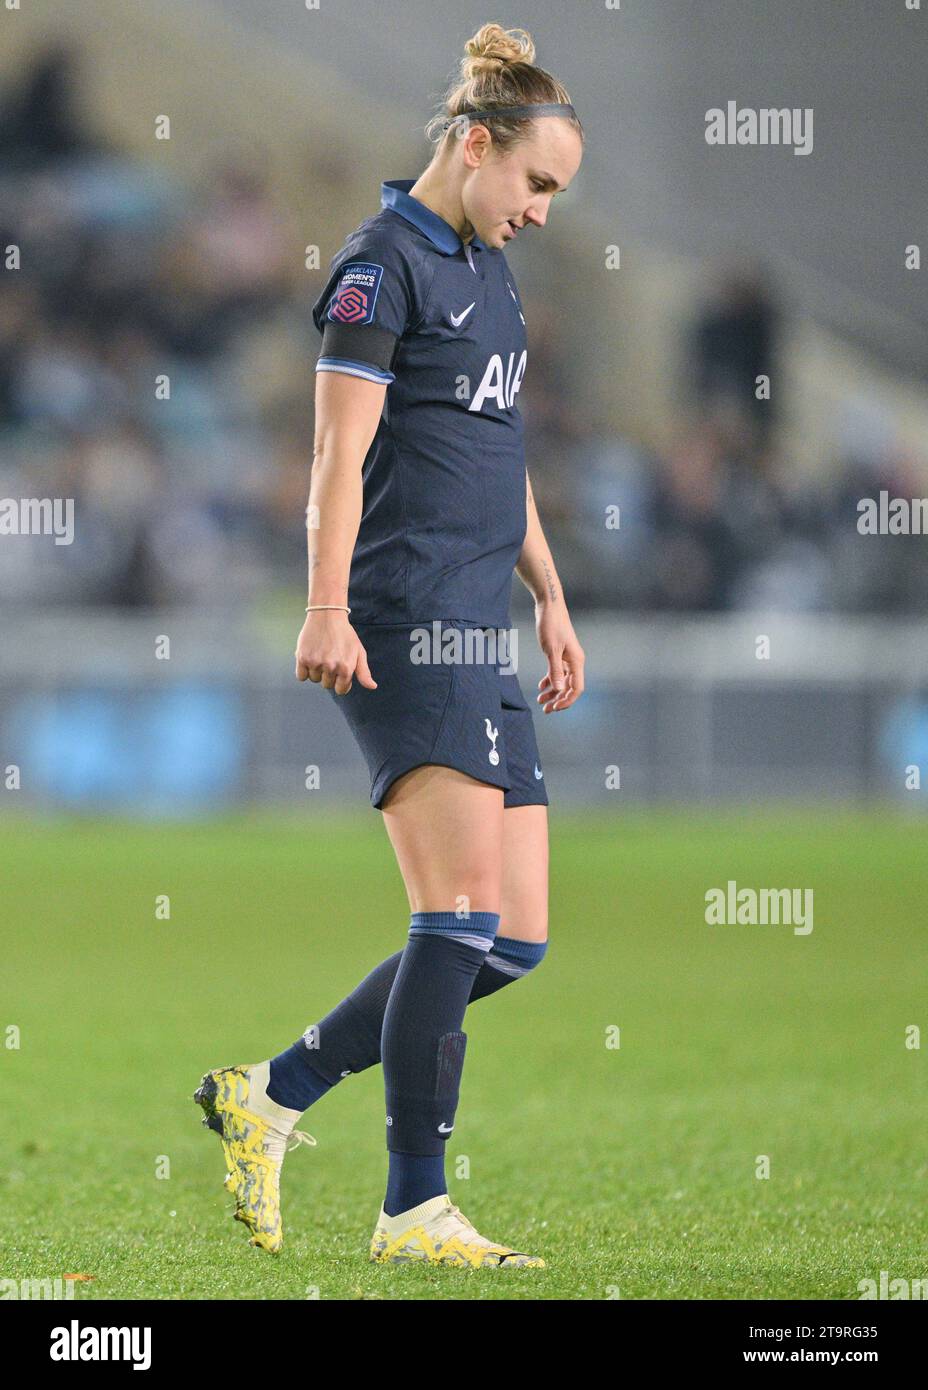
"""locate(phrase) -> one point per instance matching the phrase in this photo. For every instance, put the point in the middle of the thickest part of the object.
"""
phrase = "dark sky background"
(642, 79)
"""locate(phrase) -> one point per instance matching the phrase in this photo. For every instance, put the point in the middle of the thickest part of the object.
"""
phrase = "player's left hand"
(563, 683)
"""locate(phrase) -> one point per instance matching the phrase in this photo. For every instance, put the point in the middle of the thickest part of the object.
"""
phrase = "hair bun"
(492, 47)
(498, 72)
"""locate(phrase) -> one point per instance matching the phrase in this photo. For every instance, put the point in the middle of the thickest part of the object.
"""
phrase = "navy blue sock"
(422, 1047)
(347, 1040)
(413, 1178)
(293, 1081)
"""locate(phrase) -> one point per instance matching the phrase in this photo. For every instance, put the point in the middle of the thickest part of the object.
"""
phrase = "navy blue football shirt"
(440, 322)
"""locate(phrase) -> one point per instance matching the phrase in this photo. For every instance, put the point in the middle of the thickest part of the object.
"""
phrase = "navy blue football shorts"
(468, 715)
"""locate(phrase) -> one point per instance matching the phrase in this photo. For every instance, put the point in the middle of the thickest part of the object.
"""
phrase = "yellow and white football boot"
(255, 1133)
(437, 1233)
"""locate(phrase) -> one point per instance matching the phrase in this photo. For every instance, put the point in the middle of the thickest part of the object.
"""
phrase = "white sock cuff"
(260, 1102)
(415, 1216)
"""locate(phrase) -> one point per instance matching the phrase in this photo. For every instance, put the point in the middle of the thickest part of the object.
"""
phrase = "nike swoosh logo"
(458, 319)
(538, 771)
(445, 1129)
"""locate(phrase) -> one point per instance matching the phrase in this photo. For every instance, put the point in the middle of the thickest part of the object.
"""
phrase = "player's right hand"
(329, 650)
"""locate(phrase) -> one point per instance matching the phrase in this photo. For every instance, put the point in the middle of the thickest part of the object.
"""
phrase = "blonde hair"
(498, 70)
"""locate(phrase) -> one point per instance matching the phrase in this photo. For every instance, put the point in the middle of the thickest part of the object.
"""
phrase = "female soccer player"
(420, 510)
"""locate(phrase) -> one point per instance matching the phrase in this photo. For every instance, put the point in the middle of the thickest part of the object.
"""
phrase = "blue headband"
(539, 108)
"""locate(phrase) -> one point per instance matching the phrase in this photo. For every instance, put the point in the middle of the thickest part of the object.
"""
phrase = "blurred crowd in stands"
(126, 278)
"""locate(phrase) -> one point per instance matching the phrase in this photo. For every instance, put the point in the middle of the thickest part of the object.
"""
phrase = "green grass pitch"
(632, 1169)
